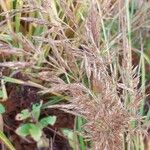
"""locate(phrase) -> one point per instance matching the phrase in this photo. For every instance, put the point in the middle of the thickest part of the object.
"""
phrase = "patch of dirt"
(21, 97)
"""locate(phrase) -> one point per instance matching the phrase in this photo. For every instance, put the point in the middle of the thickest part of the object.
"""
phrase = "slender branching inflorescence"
(84, 50)
(111, 100)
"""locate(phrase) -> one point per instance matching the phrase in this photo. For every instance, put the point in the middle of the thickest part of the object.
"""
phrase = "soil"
(21, 97)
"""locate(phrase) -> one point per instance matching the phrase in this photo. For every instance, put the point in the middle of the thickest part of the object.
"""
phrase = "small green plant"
(35, 125)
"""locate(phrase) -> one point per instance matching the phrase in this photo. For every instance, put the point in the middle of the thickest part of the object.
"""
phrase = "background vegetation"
(86, 59)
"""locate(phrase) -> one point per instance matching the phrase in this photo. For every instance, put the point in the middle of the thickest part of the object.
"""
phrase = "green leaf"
(23, 115)
(2, 109)
(54, 100)
(36, 109)
(17, 81)
(50, 120)
(30, 129)
(6, 141)
(35, 132)
(24, 130)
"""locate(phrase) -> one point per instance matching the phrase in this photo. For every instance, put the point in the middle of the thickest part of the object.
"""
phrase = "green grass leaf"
(17, 81)
(6, 141)
(80, 123)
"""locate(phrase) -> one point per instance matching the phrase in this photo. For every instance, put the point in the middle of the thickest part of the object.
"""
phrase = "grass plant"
(92, 54)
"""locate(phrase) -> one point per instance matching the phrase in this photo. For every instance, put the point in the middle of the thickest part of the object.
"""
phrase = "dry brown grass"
(84, 49)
